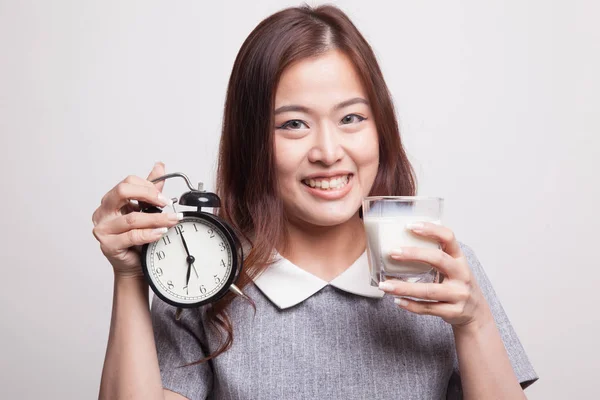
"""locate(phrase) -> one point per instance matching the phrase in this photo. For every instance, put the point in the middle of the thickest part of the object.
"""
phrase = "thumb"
(157, 171)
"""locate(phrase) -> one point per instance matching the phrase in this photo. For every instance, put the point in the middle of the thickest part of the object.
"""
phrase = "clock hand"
(196, 272)
(184, 243)
(190, 258)
(187, 278)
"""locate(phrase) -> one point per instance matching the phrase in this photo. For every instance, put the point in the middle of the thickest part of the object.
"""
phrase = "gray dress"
(333, 344)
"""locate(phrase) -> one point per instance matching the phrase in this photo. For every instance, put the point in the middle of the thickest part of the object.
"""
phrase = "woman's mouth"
(328, 184)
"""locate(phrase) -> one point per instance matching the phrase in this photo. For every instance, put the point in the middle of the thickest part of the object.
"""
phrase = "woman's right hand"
(121, 229)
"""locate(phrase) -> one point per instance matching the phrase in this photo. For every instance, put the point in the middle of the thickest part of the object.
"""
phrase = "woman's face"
(326, 144)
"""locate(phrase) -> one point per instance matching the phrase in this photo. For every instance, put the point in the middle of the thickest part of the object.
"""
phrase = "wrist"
(129, 287)
(481, 324)
(131, 281)
(129, 276)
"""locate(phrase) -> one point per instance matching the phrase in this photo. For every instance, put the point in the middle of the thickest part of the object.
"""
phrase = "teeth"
(328, 184)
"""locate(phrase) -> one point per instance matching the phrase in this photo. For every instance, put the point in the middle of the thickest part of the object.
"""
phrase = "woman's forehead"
(320, 81)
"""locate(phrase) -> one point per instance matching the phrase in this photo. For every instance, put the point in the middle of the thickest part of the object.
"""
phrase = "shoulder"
(480, 275)
(468, 252)
(472, 260)
(516, 353)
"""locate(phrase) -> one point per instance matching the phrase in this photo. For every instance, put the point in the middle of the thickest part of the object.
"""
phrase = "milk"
(387, 233)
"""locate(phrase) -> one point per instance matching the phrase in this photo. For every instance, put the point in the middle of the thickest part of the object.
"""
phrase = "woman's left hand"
(460, 301)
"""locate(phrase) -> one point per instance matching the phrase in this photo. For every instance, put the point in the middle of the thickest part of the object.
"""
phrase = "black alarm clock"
(196, 261)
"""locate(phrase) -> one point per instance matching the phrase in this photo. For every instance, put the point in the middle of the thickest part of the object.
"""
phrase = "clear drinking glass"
(385, 219)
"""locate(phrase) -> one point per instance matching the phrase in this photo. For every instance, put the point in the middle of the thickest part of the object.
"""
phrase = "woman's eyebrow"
(295, 107)
(350, 102)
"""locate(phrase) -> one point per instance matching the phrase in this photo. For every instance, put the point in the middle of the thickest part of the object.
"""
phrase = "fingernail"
(386, 286)
(415, 226)
(164, 200)
(175, 216)
(396, 253)
(401, 302)
(159, 231)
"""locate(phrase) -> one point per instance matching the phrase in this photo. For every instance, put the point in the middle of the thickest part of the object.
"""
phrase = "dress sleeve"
(178, 343)
(516, 354)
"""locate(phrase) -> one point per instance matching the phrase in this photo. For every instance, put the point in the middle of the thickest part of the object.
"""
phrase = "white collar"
(286, 284)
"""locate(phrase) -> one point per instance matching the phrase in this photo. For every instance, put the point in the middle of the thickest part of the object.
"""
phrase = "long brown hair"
(246, 175)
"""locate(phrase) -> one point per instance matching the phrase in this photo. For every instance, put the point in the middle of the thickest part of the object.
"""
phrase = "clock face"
(211, 256)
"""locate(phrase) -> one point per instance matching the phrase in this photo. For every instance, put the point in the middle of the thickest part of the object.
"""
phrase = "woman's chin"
(324, 214)
(329, 219)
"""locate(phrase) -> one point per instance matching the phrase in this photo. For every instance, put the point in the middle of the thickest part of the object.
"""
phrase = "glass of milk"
(385, 219)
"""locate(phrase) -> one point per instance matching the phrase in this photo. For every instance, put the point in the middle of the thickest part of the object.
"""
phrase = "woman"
(309, 130)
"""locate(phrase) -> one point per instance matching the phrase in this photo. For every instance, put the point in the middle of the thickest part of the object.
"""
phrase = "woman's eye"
(352, 118)
(293, 124)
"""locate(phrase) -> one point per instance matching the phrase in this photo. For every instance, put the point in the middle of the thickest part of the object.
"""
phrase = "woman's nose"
(327, 148)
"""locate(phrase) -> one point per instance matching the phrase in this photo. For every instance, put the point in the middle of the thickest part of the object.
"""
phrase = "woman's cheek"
(366, 147)
(367, 158)
(286, 161)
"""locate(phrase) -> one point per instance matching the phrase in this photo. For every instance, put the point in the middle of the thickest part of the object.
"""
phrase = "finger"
(132, 206)
(135, 180)
(443, 310)
(100, 213)
(139, 220)
(157, 171)
(134, 237)
(438, 259)
(426, 291)
(121, 194)
(107, 204)
(445, 236)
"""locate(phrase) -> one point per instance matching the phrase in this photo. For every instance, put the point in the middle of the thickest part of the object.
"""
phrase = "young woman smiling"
(308, 131)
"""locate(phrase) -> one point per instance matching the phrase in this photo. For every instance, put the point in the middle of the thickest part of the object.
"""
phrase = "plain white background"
(499, 111)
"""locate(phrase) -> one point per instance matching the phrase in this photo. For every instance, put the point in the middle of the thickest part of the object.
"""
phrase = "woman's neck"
(325, 252)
